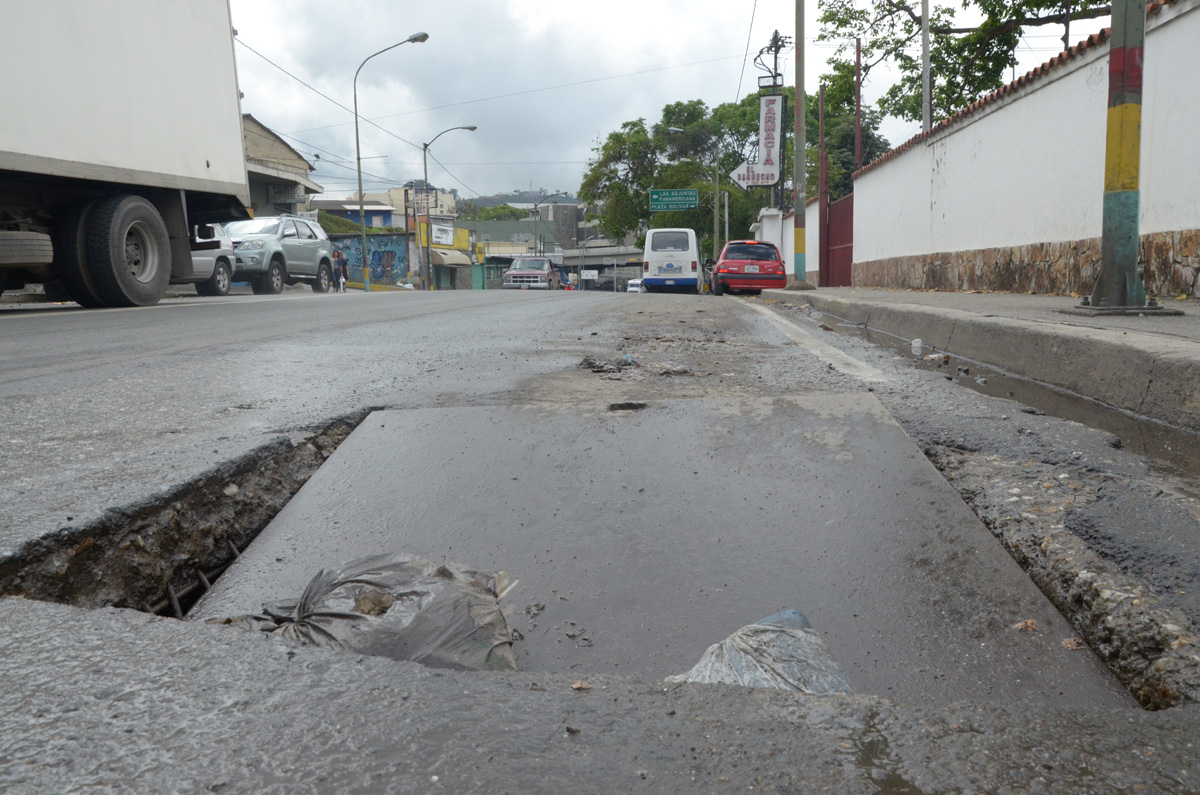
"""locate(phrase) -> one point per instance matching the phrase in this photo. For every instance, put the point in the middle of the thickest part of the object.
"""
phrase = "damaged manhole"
(162, 556)
(626, 406)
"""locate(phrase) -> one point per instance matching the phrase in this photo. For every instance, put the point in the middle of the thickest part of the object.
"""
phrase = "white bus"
(671, 261)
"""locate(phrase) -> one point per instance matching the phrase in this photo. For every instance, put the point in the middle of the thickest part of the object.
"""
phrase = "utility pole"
(858, 103)
(777, 44)
(799, 189)
(1067, 25)
(823, 275)
(1119, 287)
(926, 83)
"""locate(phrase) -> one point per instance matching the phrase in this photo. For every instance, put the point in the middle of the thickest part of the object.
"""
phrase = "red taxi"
(748, 266)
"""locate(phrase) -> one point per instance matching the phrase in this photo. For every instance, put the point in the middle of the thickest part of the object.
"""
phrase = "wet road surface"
(641, 537)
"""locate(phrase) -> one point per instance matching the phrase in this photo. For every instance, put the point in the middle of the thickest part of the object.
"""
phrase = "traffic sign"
(662, 200)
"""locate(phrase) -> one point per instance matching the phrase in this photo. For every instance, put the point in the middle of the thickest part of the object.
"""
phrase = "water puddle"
(1170, 450)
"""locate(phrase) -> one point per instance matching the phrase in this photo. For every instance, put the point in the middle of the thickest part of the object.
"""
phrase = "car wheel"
(324, 279)
(717, 289)
(218, 283)
(271, 282)
(128, 251)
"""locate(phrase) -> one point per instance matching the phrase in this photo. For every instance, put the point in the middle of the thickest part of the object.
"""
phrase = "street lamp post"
(416, 38)
(716, 188)
(428, 226)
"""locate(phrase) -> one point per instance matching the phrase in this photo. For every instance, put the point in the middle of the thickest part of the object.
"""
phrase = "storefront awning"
(449, 256)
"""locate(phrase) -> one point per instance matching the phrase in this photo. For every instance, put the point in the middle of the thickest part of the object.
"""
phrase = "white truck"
(121, 136)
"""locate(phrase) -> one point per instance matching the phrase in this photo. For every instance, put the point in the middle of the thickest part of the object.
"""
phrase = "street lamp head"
(472, 128)
(417, 38)
(676, 129)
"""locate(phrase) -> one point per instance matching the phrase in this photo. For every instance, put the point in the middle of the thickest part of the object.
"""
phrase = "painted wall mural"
(389, 256)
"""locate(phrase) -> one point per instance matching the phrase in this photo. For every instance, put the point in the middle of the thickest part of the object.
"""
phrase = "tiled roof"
(1070, 54)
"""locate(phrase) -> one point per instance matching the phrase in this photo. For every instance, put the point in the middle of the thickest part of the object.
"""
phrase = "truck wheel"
(271, 282)
(70, 254)
(218, 283)
(25, 248)
(324, 279)
(128, 251)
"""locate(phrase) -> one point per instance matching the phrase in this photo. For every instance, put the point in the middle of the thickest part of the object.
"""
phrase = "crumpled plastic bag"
(781, 651)
(402, 607)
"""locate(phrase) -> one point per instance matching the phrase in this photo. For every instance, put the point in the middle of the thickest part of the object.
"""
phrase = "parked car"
(532, 273)
(275, 250)
(747, 266)
(212, 260)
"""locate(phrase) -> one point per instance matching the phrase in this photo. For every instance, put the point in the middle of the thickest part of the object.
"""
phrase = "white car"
(212, 263)
(635, 286)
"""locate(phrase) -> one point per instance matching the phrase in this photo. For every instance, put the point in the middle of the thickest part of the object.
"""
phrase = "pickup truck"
(532, 273)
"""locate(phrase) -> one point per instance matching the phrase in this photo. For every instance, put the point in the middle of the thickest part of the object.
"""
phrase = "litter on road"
(402, 607)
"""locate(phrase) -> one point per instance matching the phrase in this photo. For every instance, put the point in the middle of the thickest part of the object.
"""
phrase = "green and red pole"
(1120, 281)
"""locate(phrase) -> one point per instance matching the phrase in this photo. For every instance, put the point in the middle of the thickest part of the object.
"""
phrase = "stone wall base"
(1170, 265)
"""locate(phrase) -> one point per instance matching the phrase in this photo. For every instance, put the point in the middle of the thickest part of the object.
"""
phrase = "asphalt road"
(103, 409)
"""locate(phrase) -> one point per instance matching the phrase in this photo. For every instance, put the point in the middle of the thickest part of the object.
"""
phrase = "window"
(669, 241)
(306, 232)
(752, 251)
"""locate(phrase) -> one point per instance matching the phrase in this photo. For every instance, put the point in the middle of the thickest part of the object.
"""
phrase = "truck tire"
(218, 283)
(25, 248)
(324, 279)
(70, 254)
(271, 282)
(128, 251)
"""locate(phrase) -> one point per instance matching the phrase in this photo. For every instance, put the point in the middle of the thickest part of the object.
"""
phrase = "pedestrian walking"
(341, 271)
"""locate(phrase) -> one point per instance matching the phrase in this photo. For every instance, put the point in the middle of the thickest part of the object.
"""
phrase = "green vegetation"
(334, 224)
(638, 157)
(965, 62)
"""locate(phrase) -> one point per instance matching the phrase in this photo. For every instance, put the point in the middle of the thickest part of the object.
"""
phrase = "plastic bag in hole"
(402, 607)
(782, 651)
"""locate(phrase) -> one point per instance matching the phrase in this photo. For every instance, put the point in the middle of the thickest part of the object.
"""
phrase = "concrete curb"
(1151, 375)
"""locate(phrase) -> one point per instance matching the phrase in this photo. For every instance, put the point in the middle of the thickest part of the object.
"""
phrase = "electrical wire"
(746, 53)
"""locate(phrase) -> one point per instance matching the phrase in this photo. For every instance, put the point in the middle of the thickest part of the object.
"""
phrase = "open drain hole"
(162, 556)
(626, 406)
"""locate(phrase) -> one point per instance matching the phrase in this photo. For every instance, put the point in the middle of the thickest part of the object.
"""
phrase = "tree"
(839, 131)
(468, 210)
(501, 212)
(684, 147)
(620, 178)
(965, 62)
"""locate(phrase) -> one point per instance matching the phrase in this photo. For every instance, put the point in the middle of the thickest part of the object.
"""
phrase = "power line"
(538, 90)
(746, 53)
(326, 96)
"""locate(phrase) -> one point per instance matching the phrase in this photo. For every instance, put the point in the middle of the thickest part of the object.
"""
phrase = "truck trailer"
(121, 138)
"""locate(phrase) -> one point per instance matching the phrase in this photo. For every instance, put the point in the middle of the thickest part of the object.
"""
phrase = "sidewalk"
(1147, 365)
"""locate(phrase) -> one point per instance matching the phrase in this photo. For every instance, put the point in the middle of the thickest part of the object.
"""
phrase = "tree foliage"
(965, 62)
(690, 143)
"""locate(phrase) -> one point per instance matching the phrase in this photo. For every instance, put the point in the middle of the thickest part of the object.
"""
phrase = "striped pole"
(799, 188)
(1120, 281)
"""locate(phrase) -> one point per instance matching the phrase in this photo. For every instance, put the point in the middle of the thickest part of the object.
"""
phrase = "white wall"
(1030, 168)
(779, 229)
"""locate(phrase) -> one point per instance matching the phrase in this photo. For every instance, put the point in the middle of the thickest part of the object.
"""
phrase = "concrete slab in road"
(650, 534)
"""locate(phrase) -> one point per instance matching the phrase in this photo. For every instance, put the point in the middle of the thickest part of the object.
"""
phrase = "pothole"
(161, 556)
(626, 406)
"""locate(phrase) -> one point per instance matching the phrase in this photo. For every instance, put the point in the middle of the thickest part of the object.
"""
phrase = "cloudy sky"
(543, 82)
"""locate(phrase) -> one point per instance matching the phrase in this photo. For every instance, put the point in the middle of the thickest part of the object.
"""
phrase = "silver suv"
(275, 250)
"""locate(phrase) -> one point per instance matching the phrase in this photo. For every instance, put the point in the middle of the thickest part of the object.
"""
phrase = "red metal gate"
(838, 235)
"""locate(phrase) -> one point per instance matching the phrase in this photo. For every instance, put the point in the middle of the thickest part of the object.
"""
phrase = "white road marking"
(840, 361)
